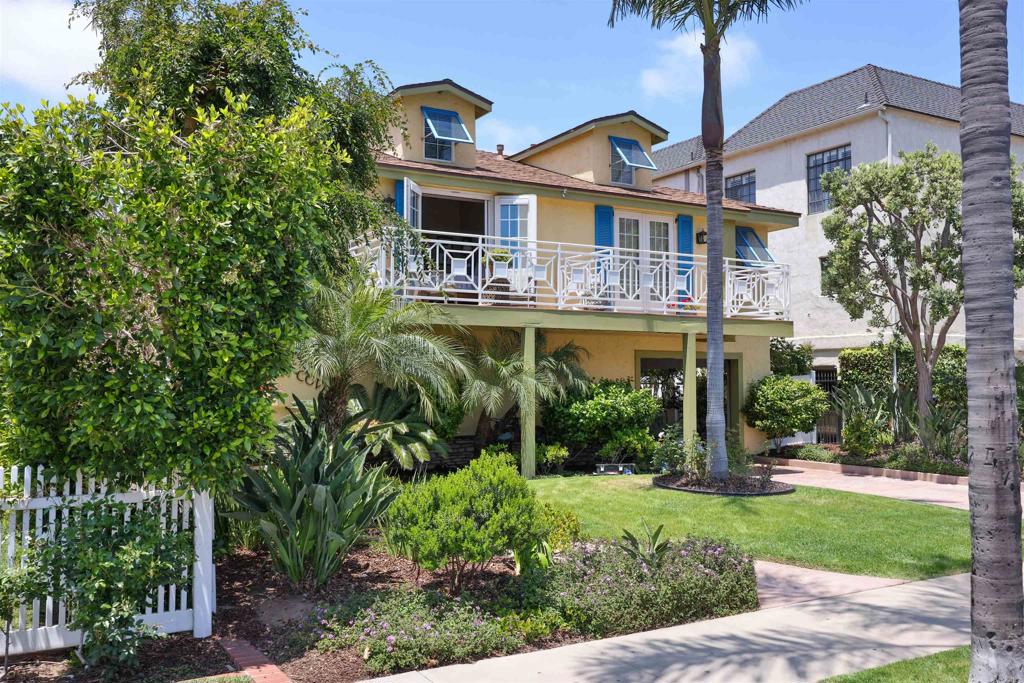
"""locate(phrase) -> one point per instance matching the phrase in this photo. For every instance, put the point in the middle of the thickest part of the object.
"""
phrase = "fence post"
(202, 574)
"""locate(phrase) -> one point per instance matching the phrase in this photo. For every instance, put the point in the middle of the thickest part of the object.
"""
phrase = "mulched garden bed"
(733, 486)
(165, 660)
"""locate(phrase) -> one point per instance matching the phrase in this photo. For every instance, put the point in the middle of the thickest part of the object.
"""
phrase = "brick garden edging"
(252, 662)
(864, 470)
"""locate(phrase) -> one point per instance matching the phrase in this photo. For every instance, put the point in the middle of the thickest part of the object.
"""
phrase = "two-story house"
(572, 236)
(867, 115)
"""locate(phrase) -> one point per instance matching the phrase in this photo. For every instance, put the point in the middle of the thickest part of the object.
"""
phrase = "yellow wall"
(412, 149)
(614, 355)
(588, 156)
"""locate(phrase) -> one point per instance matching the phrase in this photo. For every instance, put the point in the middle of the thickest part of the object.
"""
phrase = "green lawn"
(950, 666)
(844, 532)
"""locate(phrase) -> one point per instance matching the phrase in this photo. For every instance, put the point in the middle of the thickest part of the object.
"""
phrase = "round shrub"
(560, 525)
(606, 411)
(551, 457)
(601, 590)
(781, 406)
(461, 521)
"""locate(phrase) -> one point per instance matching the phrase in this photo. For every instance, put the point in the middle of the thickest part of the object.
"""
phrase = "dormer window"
(442, 129)
(626, 156)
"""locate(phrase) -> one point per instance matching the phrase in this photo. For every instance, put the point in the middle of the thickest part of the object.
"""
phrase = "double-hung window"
(818, 165)
(627, 156)
(442, 130)
(742, 187)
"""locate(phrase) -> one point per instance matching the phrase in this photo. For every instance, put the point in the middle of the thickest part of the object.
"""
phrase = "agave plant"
(314, 497)
(650, 550)
(394, 425)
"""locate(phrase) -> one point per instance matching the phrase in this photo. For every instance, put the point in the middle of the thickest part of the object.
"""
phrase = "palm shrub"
(359, 330)
(313, 497)
(781, 406)
(402, 432)
(459, 522)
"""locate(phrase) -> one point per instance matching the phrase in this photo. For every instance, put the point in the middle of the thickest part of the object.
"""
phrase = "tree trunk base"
(996, 660)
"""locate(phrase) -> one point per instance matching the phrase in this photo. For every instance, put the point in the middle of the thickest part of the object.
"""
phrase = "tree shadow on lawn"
(778, 649)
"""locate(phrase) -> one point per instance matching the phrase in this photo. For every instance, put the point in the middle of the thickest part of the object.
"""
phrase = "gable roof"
(495, 167)
(658, 134)
(482, 104)
(859, 91)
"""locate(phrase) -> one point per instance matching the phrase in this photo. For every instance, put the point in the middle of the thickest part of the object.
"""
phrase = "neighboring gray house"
(869, 114)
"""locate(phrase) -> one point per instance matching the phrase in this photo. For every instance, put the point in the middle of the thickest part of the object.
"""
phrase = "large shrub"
(462, 520)
(601, 590)
(313, 496)
(150, 284)
(609, 411)
(781, 406)
(788, 358)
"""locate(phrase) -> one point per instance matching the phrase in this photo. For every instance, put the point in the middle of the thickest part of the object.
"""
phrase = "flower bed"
(906, 457)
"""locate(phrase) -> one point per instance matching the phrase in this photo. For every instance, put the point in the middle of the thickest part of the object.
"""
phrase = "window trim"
(615, 159)
(439, 144)
(742, 234)
(427, 111)
(815, 205)
(753, 182)
(617, 143)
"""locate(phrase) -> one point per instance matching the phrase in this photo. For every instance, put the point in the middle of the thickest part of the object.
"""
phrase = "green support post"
(689, 384)
(528, 413)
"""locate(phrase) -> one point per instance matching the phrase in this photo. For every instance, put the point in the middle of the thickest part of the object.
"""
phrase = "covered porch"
(623, 346)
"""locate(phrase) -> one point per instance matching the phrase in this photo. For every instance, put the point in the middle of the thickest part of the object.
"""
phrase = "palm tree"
(361, 332)
(714, 18)
(499, 378)
(997, 596)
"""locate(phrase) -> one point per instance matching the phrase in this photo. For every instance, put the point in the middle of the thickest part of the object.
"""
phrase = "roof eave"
(658, 134)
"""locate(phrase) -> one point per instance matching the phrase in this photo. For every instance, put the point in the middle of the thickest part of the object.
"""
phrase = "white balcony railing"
(449, 267)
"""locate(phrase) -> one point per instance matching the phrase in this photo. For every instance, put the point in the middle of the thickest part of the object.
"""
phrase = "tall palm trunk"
(997, 596)
(713, 134)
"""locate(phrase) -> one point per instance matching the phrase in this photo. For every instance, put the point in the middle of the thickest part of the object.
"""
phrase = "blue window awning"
(750, 248)
(446, 125)
(632, 153)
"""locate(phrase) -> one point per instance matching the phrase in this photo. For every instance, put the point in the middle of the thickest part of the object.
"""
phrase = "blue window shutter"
(400, 198)
(684, 228)
(604, 226)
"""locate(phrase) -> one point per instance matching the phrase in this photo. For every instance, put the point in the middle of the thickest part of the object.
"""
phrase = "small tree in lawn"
(781, 406)
(896, 240)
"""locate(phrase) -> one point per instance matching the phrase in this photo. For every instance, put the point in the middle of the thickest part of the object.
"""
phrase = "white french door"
(412, 204)
(642, 263)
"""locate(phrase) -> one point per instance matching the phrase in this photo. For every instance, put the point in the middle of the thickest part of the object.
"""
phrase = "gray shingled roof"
(868, 87)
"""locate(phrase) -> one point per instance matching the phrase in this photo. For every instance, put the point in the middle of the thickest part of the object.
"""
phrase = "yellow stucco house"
(571, 236)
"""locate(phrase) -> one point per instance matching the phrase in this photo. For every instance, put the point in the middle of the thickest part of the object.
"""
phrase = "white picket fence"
(35, 502)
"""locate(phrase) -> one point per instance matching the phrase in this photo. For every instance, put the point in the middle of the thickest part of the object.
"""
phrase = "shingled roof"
(865, 89)
(495, 167)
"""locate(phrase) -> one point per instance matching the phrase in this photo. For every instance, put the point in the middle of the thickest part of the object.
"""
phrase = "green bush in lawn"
(561, 526)
(401, 630)
(461, 521)
(814, 452)
(609, 411)
(600, 590)
(788, 358)
(551, 457)
(781, 406)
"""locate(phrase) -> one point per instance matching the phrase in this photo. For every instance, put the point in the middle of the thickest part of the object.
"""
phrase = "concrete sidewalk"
(947, 495)
(803, 642)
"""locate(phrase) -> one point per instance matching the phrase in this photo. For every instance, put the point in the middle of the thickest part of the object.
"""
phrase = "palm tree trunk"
(997, 596)
(334, 406)
(713, 134)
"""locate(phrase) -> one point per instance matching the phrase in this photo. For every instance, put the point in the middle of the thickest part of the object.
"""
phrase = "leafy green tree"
(714, 18)
(788, 358)
(188, 55)
(361, 331)
(781, 406)
(498, 379)
(151, 284)
(896, 239)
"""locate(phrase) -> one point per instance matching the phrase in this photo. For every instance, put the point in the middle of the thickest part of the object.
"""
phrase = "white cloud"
(491, 132)
(39, 51)
(679, 66)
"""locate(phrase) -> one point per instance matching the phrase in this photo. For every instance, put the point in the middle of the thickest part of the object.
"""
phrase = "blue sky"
(551, 65)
